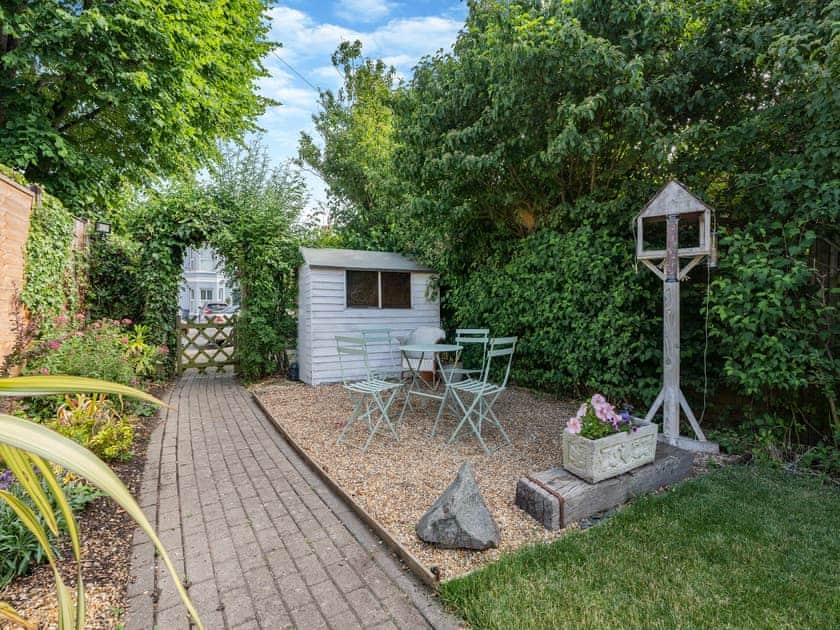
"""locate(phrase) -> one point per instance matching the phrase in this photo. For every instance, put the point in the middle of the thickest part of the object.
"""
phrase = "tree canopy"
(356, 125)
(95, 94)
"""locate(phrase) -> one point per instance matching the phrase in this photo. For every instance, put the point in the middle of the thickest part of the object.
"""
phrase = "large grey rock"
(459, 519)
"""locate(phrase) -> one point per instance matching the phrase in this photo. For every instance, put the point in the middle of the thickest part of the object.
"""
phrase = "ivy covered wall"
(55, 274)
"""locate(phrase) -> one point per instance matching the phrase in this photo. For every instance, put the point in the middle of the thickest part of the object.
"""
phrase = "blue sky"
(400, 32)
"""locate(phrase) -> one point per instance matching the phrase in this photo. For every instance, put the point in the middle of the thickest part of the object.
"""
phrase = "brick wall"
(15, 208)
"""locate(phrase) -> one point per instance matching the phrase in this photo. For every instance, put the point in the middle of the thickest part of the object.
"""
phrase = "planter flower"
(600, 443)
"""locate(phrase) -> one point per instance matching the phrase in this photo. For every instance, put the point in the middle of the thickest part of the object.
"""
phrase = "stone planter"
(610, 456)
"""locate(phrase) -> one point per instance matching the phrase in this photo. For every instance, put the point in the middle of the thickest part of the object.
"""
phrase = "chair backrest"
(349, 347)
(476, 336)
(501, 349)
(377, 335)
(385, 337)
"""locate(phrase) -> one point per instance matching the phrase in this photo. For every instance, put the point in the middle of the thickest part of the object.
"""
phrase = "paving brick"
(296, 545)
(345, 577)
(199, 567)
(330, 600)
(366, 606)
(229, 575)
(205, 596)
(140, 611)
(269, 540)
(294, 591)
(176, 618)
(404, 612)
(238, 606)
(308, 617)
(222, 549)
(250, 556)
(344, 621)
(311, 569)
(272, 614)
(261, 583)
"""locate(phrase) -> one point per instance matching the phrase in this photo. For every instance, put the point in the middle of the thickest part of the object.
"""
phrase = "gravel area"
(398, 481)
(106, 532)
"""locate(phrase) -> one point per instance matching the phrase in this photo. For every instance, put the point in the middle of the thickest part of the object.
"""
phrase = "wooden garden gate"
(204, 345)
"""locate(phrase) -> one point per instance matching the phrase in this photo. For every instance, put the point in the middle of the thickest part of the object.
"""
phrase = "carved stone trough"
(610, 456)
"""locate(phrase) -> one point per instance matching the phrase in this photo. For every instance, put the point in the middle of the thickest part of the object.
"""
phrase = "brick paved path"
(262, 542)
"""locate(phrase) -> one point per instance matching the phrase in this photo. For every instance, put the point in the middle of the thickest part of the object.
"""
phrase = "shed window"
(378, 289)
(396, 290)
(363, 289)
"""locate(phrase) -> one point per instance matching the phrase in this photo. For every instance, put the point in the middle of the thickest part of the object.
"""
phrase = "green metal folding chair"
(481, 394)
(478, 338)
(371, 397)
(384, 337)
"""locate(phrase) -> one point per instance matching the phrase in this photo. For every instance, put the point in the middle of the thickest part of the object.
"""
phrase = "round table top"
(431, 347)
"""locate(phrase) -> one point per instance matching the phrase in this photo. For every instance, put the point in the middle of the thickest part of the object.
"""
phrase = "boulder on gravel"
(459, 519)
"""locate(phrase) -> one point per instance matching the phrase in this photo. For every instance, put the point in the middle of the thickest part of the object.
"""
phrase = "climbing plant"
(247, 211)
(54, 273)
(258, 207)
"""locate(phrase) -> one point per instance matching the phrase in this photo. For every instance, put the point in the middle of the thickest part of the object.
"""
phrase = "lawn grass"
(742, 547)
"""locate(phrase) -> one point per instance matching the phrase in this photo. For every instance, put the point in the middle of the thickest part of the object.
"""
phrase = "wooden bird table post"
(672, 204)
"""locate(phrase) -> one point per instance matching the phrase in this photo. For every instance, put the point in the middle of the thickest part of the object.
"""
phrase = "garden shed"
(346, 292)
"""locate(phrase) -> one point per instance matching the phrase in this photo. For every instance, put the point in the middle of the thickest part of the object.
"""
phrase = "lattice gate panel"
(203, 345)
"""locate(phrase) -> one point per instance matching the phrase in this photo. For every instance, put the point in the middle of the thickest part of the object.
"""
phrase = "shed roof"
(359, 259)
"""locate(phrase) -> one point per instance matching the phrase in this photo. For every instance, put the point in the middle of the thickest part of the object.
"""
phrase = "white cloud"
(405, 39)
(363, 10)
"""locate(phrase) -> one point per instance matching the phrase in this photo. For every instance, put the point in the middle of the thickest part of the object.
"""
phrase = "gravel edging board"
(424, 574)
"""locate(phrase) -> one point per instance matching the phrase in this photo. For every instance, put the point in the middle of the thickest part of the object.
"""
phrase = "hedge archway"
(247, 212)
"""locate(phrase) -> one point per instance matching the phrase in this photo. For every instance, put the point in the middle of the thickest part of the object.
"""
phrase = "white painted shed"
(348, 291)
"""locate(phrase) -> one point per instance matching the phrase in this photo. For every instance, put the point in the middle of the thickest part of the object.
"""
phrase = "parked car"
(211, 309)
(226, 315)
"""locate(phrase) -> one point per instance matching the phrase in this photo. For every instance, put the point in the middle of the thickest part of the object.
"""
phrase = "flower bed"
(106, 349)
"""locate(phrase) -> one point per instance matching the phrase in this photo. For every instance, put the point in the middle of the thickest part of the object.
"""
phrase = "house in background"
(204, 281)
(346, 291)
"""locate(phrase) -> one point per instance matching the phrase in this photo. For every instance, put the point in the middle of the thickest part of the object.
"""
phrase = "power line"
(292, 68)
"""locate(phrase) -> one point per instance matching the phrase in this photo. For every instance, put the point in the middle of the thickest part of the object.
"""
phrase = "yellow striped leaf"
(41, 385)
(56, 448)
(9, 613)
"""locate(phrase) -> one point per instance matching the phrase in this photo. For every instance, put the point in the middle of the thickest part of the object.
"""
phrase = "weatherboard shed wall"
(323, 312)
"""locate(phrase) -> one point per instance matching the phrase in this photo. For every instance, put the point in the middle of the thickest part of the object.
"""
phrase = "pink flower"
(124, 340)
(582, 411)
(80, 316)
(45, 371)
(126, 321)
(60, 320)
(164, 350)
(598, 399)
(135, 382)
(80, 334)
(573, 425)
(53, 345)
(97, 325)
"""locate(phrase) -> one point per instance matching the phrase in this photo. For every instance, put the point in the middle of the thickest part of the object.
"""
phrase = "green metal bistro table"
(419, 387)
